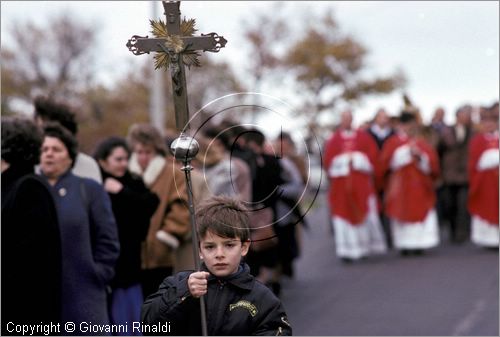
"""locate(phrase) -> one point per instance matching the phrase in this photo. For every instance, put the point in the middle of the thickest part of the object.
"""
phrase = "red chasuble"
(483, 183)
(409, 192)
(350, 160)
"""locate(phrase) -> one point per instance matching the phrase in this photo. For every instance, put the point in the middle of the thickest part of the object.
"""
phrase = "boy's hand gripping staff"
(184, 149)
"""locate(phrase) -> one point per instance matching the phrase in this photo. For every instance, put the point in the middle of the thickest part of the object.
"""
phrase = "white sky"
(448, 50)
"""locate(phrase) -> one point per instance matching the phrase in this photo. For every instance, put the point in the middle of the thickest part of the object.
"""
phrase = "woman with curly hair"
(31, 246)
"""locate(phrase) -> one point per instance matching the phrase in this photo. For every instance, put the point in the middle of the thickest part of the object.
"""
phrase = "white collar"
(153, 170)
(348, 133)
(379, 131)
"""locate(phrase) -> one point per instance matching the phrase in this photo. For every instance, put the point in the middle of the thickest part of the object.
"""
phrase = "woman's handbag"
(262, 234)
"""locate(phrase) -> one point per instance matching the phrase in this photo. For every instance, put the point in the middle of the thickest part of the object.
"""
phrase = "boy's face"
(221, 255)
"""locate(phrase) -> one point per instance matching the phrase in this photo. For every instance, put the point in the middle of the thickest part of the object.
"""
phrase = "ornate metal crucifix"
(175, 47)
(177, 50)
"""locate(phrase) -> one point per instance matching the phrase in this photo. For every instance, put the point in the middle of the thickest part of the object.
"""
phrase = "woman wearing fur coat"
(169, 226)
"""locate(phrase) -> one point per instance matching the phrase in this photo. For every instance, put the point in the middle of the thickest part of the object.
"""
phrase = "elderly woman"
(169, 227)
(31, 247)
(89, 237)
(133, 205)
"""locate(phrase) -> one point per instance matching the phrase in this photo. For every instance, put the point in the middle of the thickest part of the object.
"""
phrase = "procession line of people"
(384, 183)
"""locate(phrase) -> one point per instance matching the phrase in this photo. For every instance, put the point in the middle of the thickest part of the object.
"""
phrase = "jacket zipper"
(219, 311)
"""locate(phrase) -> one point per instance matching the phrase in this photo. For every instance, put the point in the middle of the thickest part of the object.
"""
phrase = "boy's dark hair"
(53, 111)
(107, 146)
(225, 217)
(218, 133)
(254, 135)
(53, 129)
(21, 142)
(236, 130)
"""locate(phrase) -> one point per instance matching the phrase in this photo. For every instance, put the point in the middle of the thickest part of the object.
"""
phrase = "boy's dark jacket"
(236, 305)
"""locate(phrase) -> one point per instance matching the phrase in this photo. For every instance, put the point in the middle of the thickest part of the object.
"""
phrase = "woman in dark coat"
(133, 205)
(89, 237)
(31, 250)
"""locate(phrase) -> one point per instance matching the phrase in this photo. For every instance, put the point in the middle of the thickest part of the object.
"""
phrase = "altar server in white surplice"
(483, 181)
(350, 161)
(410, 166)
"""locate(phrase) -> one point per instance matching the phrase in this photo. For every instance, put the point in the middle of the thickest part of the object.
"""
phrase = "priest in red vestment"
(483, 181)
(350, 161)
(409, 166)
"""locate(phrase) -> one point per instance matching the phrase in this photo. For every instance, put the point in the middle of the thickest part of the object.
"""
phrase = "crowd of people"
(91, 239)
(103, 232)
(396, 183)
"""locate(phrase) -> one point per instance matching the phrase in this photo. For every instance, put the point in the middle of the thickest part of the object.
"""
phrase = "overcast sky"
(448, 50)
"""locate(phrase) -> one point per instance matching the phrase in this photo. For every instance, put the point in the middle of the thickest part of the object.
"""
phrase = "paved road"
(452, 290)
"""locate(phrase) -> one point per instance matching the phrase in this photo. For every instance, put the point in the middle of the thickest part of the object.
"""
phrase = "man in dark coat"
(381, 130)
(453, 150)
(266, 187)
(31, 246)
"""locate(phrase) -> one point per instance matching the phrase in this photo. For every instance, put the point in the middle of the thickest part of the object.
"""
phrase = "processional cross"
(177, 50)
(176, 47)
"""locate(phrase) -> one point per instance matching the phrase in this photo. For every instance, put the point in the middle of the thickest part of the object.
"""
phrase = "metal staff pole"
(184, 149)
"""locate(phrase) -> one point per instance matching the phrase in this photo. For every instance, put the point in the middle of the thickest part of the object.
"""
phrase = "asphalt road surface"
(451, 290)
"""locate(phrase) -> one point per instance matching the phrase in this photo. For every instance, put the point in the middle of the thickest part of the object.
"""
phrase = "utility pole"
(157, 101)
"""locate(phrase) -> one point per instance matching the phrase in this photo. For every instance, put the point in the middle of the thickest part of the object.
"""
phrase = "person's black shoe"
(405, 252)
(418, 252)
(458, 240)
(346, 260)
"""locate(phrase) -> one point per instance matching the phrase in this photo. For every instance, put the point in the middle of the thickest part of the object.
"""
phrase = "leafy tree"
(330, 68)
(207, 83)
(10, 83)
(112, 111)
(324, 66)
(54, 59)
(265, 34)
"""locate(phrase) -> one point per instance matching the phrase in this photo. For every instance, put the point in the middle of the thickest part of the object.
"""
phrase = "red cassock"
(409, 192)
(483, 183)
(353, 154)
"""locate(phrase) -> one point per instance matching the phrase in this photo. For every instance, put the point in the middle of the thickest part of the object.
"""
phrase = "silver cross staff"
(184, 148)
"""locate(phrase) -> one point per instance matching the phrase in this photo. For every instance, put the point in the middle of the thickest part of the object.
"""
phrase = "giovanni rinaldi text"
(85, 327)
